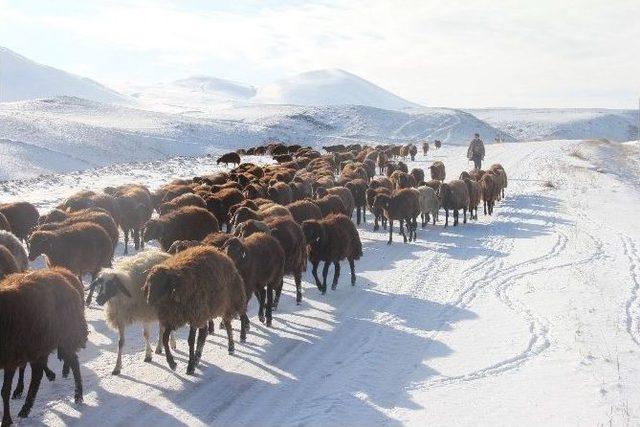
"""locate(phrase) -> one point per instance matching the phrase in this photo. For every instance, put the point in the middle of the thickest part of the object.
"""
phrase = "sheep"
(401, 166)
(194, 286)
(378, 213)
(187, 199)
(438, 171)
(168, 192)
(120, 288)
(83, 247)
(220, 203)
(474, 190)
(4, 223)
(437, 144)
(403, 205)
(488, 189)
(434, 184)
(22, 218)
(229, 158)
(330, 204)
(402, 180)
(89, 199)
(8, 263)
(96, 216)
(303, 210)
(290, 236)
(382, 161)
(417, 174)
(413, 150)
(381, 181)
(280, 193)
(454, 196)
(344, 194)
(134, 202)
(11, 242)
(260, 261)
(331, 240)
(283, 158)
(429, 204)
(476, 174)
(300, 190)
(425, 148)
(358, 188)
(40, 311)
(186, 223)
(404, 151)
(499, 170)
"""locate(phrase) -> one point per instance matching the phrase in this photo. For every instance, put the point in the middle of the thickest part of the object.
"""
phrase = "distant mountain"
(329, 87)
(567, 123)
(22, 79)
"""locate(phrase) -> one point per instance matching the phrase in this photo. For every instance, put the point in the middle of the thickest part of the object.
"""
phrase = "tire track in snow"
(632, 306)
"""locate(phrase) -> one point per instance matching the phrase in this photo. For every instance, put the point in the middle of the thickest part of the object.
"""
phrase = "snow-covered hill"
(84, 134)
(547, 124)
(23, 79)
(329, 87)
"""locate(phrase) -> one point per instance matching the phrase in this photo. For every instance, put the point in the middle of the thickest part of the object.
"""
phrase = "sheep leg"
(172, 340)
(390, 232)
(358, 215)
(118, 367)
(202, 337)
(446, 218)
(297, 277)
(352, 266)
(34, 385)
(484, 204)
(160, 333)
(17, 393)
(165, 342)
(231, 345)
(278, 291)
(464, 215)
(191, 340)
(336, 275)
(77, 377)
(364, 214)
(6, 392)
(314, 271)
(404, 236)
(245, 325)
(211, 327)
(126, 241)
(325, 273)
(384, 222)
(136, 239)
(376, 227)
(261, 295)
(269, 304)
(147, 346)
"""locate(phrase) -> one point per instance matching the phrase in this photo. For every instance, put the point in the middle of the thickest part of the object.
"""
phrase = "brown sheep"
(4, 223)
(345, 195)
(404, 151)
(40, 311)
(403, 205)
(377, 212)
(488, 188)
(413, 150)
(168, 192)
(229, 158)
(8, 263)
(303, 210)
(187, 199)
(454, 196)
(425, 148)
(82, 247)
(438, 171)
(476, 174)
(402, 180)
(331, 240)
(192, 287)
(358, 188)
(381, 181)
(58, 219)
(220, 203)
(417, 174)
(283, 158)
(186, 223)
(260, 261)
(475, 193)
(280, 193)
(22, 218)
(134, 202)
(330, 204)
(437, 144)
(499, 170)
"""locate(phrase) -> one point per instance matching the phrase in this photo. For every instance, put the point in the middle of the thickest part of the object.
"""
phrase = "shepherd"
(476, 151)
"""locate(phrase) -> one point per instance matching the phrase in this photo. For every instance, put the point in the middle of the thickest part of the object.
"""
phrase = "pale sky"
(475, 53)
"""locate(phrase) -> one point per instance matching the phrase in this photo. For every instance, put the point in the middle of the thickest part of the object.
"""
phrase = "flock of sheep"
(276, 217)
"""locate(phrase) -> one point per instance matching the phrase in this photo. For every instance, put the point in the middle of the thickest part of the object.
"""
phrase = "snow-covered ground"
(567, 123)
(529, 317)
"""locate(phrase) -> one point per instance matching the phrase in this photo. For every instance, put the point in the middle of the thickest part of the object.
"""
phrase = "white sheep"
(121, 289)
(14, 246)
(429, 204)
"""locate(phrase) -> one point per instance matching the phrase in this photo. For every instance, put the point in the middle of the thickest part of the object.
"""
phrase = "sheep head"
(321, 192)
(40, 242)
(444, 192)
(250, 227)
(161, 282)
(314, 233)
(181, 245)
(244, 214)
(381, 201)
(235, 249)
(56, 215)
(153, 230)
(108, 284)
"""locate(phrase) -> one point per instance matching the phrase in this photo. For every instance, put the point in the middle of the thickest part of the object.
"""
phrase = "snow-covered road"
(529, 317)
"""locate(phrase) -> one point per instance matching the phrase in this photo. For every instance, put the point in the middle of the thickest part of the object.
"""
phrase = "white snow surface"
(527, 317)
(67, 133)
(329, 87)
(569, 123)
(23, 79)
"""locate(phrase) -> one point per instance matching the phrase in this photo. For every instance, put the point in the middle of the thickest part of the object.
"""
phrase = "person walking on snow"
(476, 151)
